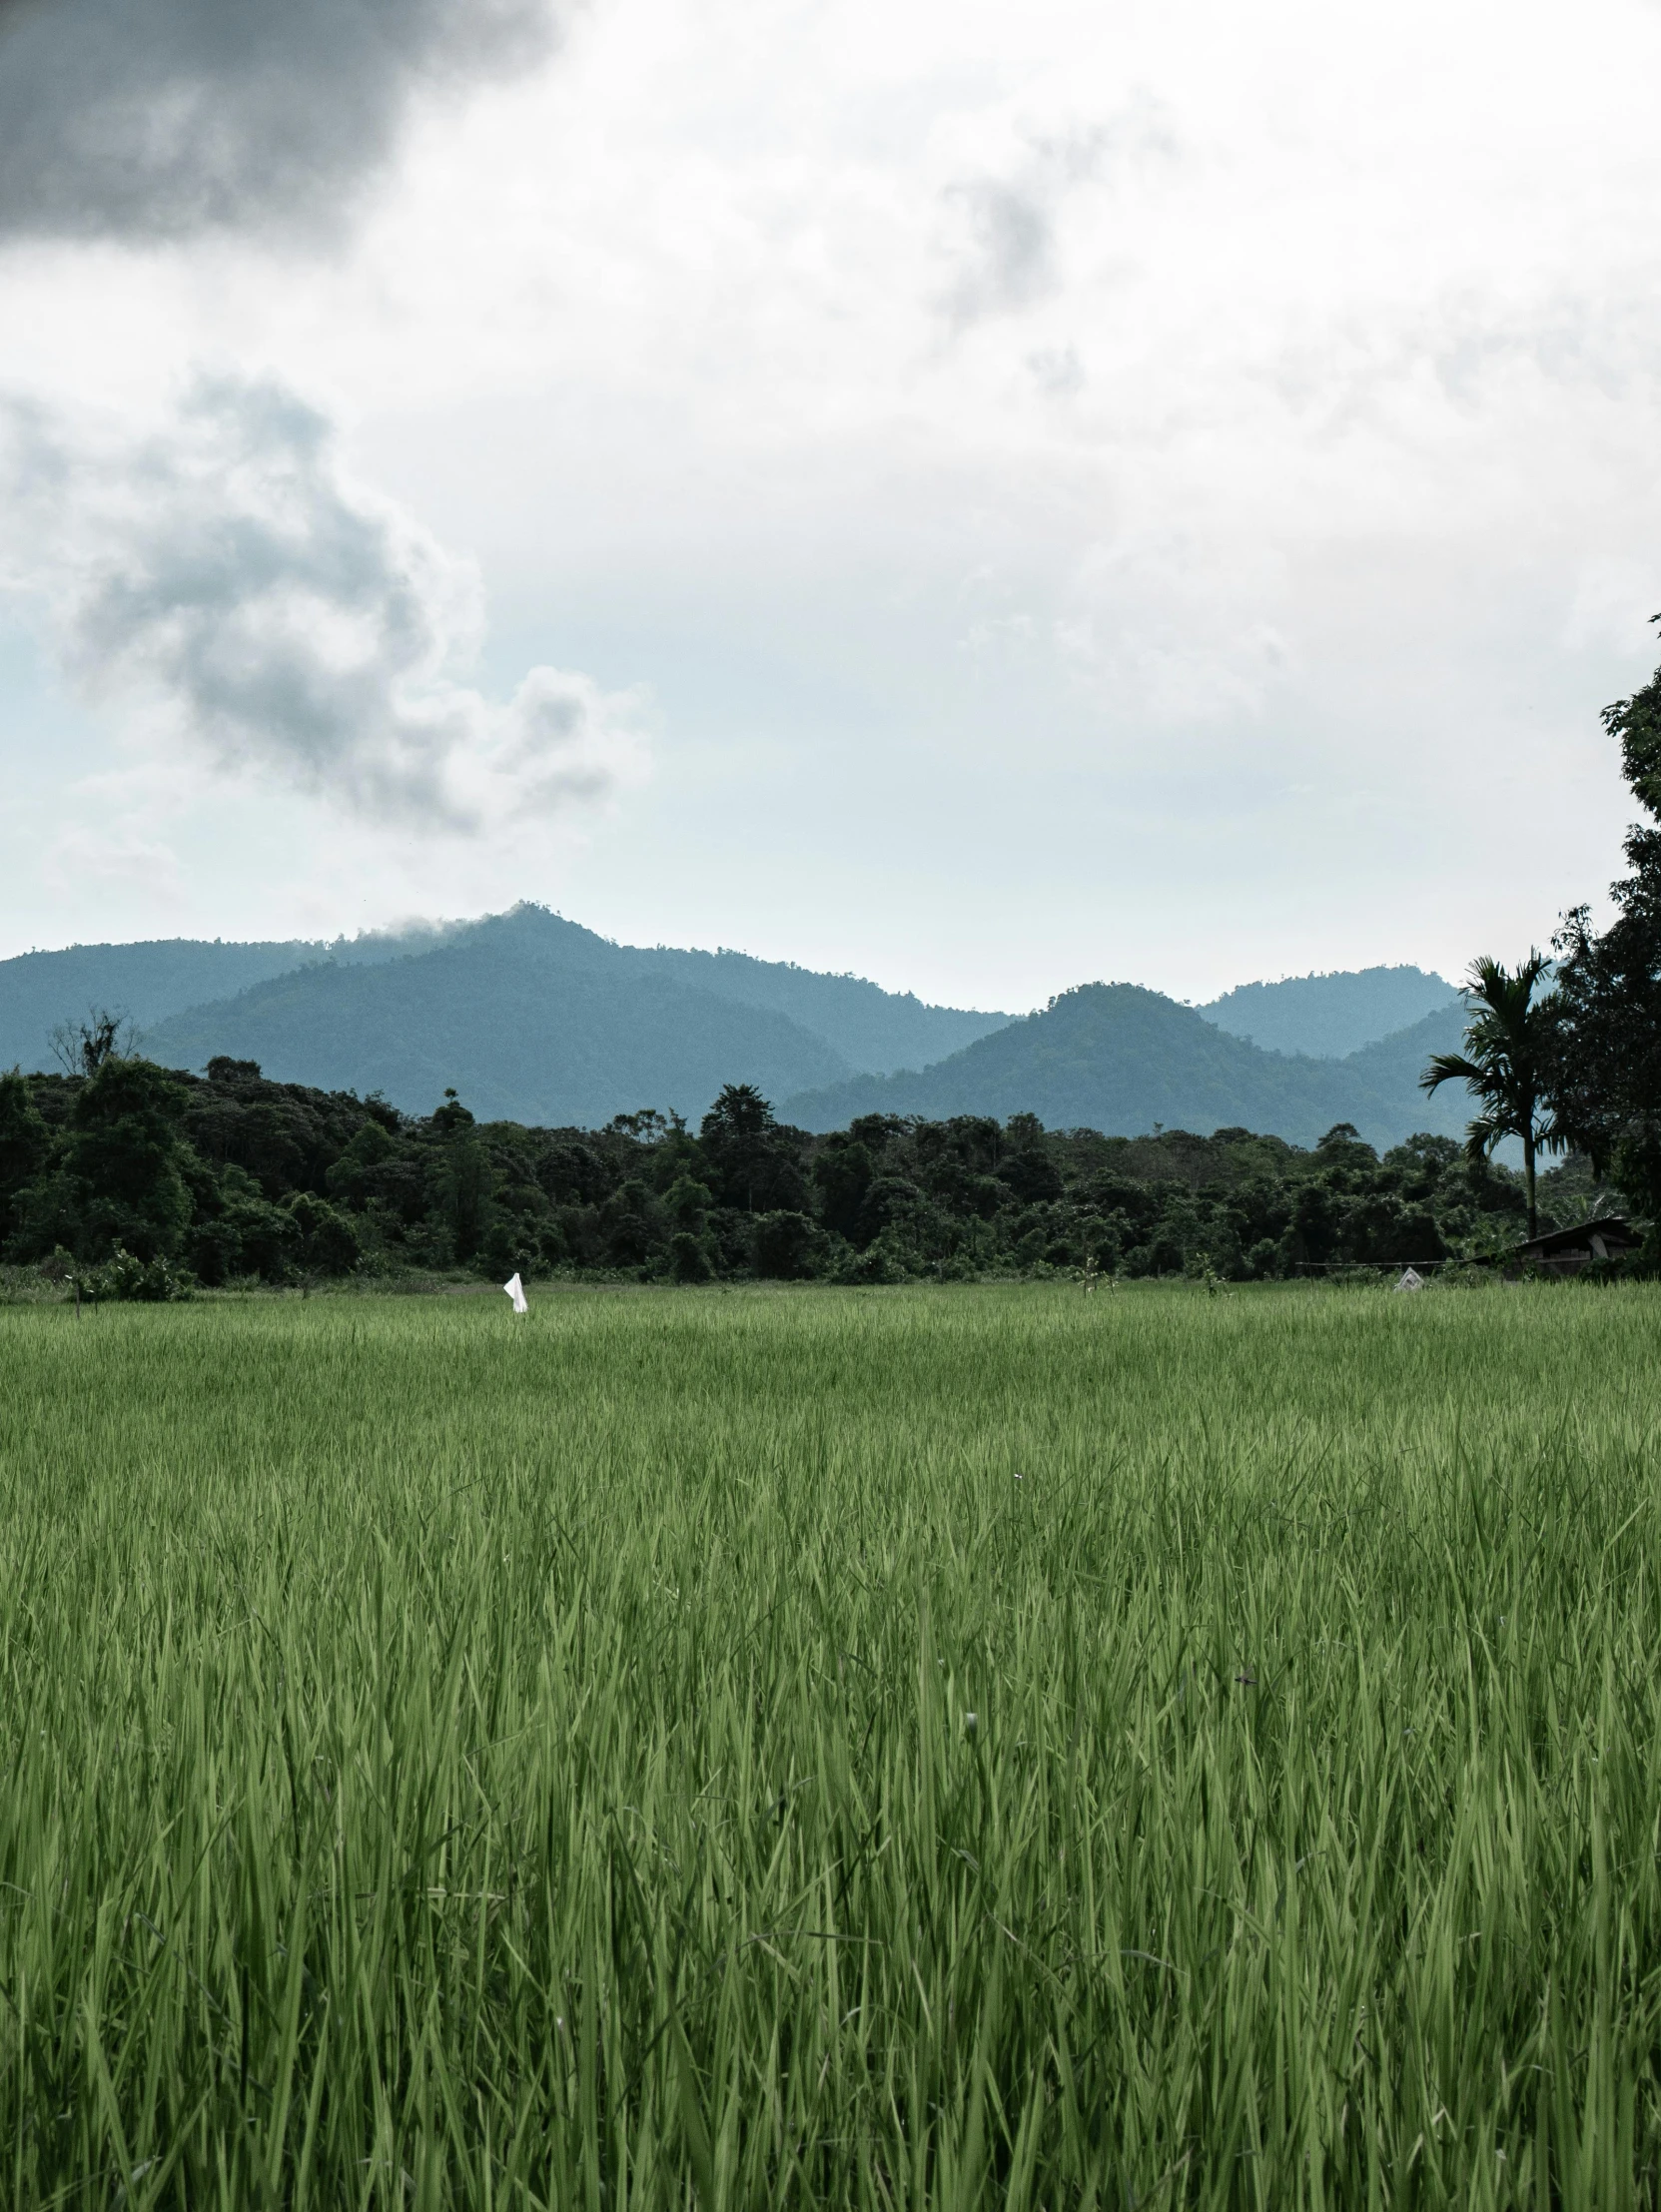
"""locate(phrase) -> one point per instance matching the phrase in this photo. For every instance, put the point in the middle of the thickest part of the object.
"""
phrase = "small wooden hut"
(1566, 1251)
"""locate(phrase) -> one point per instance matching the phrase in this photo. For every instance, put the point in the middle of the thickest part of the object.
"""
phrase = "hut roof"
(1613, 1231)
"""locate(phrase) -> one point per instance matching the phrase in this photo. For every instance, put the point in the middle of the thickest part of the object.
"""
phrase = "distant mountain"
(1329, 1016)
(1122, 1060)
(775, 1021)
(534, 1018)
(149, 981)
(522, 1043)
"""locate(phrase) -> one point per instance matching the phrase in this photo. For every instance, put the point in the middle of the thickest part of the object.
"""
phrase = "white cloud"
(225, 581)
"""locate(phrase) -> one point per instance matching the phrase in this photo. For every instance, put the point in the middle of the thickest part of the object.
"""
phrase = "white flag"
(516, 1290)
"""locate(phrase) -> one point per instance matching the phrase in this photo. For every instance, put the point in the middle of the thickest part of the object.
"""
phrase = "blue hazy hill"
(147, 981)
(1122, 1059)
(1332, 1016)
(535, 1018)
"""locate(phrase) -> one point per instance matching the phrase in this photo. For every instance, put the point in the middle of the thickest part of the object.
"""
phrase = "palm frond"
(1482, 1135)
(1506, 1048)
(1449, 1067)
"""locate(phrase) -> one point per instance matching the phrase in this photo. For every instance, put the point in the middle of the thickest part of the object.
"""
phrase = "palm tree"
(1507, 1046)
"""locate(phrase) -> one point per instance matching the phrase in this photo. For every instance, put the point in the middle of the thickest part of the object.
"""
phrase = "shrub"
(125, 1278)
(689, 1259)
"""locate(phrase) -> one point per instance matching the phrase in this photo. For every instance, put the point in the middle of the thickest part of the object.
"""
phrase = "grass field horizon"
(930, 1746)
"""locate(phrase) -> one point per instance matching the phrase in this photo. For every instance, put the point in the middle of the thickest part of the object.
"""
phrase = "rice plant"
(930, 1748)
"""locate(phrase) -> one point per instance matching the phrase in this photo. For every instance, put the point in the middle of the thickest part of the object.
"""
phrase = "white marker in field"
(1412, 1280)
(516, 1290)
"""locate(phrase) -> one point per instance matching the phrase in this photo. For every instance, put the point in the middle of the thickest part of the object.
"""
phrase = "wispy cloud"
(1003, 225)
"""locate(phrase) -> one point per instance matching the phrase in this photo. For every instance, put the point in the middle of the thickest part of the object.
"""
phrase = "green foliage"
(1606, 1086)
(785, 1246)
(752, 1161)
(1510, 1041)
(328, 1239)
(689, 1257)
(994, 1747)
(1636, 725)
(462, 1180)
(24, 1144)
(123, 1277)
(240, 1179)
(115, 1179)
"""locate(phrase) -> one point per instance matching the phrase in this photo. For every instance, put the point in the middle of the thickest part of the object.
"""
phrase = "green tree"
(689, 1259)
(1606, 1078)
(1506, 1065)
(784, 1245)
(464, 1183)
(120, 1181)
(687, 1202)
(747, 1157)
(328, 1241)
(24, 1144)
(352, 1177)
(842, 1174)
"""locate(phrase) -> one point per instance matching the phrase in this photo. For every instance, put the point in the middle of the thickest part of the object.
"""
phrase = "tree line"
(136, 1181)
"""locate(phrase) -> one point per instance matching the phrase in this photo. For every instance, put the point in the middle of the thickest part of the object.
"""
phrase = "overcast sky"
(988, 496)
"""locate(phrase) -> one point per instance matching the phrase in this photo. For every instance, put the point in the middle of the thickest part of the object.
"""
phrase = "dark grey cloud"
(225, 583)
(159, 119)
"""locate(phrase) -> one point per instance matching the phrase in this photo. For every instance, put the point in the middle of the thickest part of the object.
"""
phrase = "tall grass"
(955, 1748)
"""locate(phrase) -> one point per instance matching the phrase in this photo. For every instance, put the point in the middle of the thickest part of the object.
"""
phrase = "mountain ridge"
(1331, 1014)
(544, 1020)
(538, 1019)
(1125, 1059)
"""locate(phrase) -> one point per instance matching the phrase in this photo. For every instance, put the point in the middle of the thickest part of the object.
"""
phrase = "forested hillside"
(529, 1039)
(146, 982)
(873, 1029)
(544, 1020)
(1330, 1015)
(1118, 1058)
(137, 1181)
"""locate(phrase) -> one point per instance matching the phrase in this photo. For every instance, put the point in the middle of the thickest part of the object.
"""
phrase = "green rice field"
(958, 1747)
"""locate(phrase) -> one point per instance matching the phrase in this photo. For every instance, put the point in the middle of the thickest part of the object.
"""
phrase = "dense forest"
(134, 1181)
